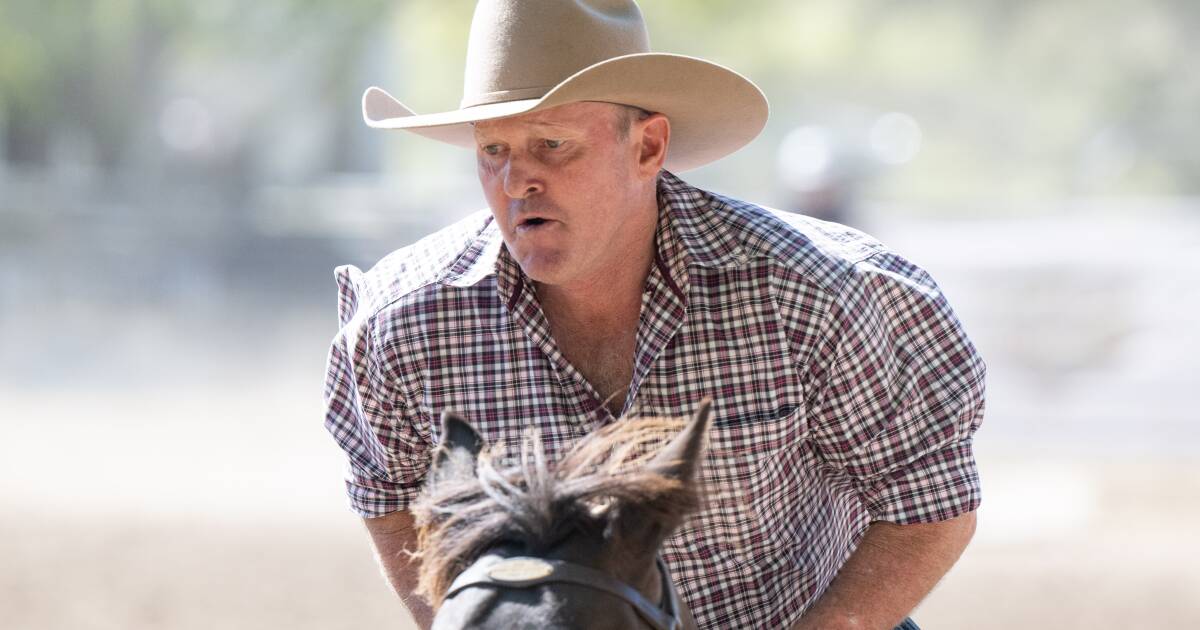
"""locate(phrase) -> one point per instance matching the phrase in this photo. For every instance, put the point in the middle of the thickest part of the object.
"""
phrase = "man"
(841, 483)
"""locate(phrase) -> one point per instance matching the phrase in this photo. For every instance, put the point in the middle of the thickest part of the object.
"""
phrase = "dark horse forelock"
(536, 503)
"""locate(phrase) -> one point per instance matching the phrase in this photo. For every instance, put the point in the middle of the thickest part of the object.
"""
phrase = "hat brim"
(713, 110)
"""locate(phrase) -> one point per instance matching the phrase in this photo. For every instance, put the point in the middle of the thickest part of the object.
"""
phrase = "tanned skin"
(394, 535)
(893, 569)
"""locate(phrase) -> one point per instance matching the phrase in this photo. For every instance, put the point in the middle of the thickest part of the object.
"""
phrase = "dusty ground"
(1119, 550)
(134, 511)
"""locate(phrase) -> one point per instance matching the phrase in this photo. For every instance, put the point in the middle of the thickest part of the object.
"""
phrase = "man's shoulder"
(453, 255)
(823, 251)
(853, 267)
(843, 259)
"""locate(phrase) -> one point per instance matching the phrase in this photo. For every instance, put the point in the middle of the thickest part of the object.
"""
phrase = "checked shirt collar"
(687, 233)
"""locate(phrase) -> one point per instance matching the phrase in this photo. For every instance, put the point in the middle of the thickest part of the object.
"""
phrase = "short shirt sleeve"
(899, 394)
(365, 410)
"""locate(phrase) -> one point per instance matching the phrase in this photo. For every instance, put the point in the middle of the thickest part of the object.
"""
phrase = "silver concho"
(520, 570)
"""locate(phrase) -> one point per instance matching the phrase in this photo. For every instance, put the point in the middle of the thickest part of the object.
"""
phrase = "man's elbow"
(395, 537)
(948, 538)
(955, 534)
(968, 527)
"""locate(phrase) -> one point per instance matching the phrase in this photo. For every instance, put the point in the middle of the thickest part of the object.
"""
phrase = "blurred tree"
(98, 68)
(1013, 97)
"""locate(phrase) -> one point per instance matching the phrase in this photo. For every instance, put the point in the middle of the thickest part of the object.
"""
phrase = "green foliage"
(1014, 97)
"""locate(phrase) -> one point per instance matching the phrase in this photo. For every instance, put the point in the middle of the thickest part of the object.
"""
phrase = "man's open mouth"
(531, 223)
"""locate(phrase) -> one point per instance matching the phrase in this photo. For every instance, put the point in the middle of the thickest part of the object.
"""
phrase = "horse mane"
(463, 513)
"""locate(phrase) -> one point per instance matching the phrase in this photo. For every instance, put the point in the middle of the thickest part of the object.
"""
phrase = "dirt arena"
(133, 510)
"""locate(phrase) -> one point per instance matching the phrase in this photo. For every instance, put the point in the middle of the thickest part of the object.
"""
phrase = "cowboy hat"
(529, 55)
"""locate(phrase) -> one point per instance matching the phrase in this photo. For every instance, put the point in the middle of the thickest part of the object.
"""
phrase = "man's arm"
(892, 570)
(394, 534)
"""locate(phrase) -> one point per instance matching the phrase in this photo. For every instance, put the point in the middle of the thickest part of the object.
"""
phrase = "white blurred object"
(1105, 158)
(185, 125)
(822, 169)
(806, 158)
(895, 138)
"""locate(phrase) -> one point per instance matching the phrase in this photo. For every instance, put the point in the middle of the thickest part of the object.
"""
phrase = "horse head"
(572, 544)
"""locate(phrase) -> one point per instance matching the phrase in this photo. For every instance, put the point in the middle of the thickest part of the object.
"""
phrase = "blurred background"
(179, 179)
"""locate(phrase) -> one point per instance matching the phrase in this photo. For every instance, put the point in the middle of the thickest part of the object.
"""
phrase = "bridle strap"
(660, 617)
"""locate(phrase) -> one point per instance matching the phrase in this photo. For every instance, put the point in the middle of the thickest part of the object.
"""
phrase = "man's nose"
(520, 180)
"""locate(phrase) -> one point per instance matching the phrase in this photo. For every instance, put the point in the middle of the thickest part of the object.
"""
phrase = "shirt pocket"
(753, 471)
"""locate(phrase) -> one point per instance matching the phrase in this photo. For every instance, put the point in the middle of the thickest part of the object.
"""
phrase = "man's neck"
(596, 329)
(611, 296)
(602, 302)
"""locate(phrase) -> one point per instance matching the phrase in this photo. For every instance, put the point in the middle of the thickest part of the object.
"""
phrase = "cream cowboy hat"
(528, 55)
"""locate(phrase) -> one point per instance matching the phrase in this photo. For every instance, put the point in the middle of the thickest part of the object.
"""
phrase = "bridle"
(526, 571)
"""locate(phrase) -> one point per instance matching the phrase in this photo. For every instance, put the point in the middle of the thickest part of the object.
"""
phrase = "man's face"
(564, 188)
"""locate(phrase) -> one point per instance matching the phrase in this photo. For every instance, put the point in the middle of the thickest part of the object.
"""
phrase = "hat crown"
(520, 49)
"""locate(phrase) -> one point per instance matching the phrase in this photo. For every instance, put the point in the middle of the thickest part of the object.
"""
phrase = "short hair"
(626, 114)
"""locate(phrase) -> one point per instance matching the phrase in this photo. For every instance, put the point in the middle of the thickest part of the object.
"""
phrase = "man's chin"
(544, 269)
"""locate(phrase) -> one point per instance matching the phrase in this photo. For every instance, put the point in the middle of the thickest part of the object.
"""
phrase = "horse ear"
(680, 458)
(461, 444)
(643, 527)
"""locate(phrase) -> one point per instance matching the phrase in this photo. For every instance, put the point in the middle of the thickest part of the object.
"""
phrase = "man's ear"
(655, 134)
(459, 448)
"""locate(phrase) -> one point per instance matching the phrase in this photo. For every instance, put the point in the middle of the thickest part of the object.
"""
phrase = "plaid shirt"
(845, 389)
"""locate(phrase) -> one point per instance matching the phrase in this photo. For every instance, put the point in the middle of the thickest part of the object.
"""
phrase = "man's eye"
(491, 149)
(553, 144)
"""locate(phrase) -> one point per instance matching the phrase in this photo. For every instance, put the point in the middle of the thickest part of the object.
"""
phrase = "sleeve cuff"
(372, 498)
(937, 487)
